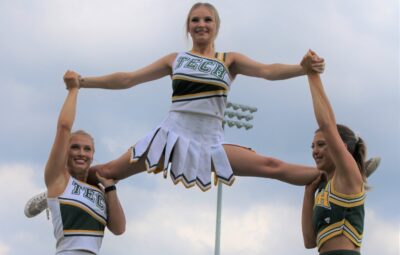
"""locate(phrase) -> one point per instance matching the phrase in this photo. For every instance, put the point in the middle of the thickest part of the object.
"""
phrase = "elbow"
(64, 125)
(125, 80)
(323, 125)
(119, 231)
(268, 75)
(327, 125)
(309, 245)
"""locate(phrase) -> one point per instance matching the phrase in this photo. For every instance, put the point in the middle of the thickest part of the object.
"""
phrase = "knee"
(273, 167)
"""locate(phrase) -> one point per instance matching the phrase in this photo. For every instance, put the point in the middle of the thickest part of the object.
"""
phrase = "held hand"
(312, 63)
(105, 182)
(312, 187)
(71, 79)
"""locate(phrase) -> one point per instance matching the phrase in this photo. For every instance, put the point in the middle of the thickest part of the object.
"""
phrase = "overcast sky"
(40, 40)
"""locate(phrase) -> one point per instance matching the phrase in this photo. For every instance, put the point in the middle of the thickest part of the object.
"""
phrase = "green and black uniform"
(337, 214)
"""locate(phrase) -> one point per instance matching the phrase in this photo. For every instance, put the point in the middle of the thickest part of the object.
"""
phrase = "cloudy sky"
(41, 39)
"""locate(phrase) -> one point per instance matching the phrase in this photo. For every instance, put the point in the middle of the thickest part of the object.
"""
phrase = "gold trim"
(84, 208)
(208, 82)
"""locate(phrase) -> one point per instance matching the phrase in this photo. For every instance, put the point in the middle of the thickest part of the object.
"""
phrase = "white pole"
(218, 223)
(238, 124)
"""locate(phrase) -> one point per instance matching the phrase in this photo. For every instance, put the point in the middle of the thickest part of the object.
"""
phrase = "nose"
(82, 152)
(201, 23)
(315, 151)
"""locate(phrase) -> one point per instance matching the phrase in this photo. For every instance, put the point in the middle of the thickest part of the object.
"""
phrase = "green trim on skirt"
(341, 252)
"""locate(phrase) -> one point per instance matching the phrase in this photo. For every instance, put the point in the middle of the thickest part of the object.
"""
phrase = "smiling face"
(80, 154)
(203, 24)
(321, 154)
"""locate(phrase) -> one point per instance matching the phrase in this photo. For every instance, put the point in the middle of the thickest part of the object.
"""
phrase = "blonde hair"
(84, 133)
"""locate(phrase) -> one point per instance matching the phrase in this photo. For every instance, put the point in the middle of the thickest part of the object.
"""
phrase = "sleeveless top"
(200, 84)
(336, 214)
(79, 217)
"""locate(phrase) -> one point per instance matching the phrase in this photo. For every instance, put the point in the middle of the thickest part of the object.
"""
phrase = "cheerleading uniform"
(190, 139)
(79, 218)
(337, 214)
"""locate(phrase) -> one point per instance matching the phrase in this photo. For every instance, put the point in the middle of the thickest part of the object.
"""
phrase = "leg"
(119, 168)
(245, 162)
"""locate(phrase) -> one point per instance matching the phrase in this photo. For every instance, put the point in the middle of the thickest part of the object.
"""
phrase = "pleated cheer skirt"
(190, 147)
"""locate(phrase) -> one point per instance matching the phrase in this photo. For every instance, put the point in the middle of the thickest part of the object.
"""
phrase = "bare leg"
(245, 162)
(119, 168)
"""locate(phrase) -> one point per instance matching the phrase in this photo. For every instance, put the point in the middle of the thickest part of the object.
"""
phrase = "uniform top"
(79, 217)
(200, 84)
(336, 214)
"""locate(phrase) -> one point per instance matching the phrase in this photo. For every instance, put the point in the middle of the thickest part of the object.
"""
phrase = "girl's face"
(321, 154)
(202, 26)
(80, 153)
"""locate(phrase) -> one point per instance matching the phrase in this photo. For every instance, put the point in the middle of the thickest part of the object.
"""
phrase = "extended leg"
(119, 168)
(245, 162)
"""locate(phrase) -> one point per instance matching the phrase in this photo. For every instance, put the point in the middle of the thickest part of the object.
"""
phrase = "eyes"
(86, 148)
(207, 19)
(318, 144)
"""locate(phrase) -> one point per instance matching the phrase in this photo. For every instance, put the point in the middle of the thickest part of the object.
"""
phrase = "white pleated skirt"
(191, 146)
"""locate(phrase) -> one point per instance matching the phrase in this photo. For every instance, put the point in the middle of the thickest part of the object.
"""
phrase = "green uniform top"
(338, 214)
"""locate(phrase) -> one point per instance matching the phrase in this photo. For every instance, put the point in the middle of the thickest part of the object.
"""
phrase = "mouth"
(80, 161)
(200, 30)
(318, 159)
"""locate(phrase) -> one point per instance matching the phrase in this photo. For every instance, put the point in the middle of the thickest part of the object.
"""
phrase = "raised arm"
(124, 80)
(346, 171)
(56, 173)
(241, 64)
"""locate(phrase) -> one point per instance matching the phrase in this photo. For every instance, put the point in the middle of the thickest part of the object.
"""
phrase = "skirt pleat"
(192, 145)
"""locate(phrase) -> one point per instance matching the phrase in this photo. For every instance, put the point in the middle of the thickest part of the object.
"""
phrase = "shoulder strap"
(221, 56)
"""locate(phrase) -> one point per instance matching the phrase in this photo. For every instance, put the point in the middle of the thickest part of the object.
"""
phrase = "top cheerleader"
(190, 139)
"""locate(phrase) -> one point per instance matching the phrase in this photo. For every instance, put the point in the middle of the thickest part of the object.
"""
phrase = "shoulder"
(233, 57)
(169, 59)
(171, 56)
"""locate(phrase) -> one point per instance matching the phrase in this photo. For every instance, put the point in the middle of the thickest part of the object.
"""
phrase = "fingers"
(99, 176)
(318, 67)
(104, 181)
(317, 63)
(71, 79)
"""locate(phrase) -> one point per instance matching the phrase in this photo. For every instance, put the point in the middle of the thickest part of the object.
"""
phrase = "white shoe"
(371, 165)
(36, 205)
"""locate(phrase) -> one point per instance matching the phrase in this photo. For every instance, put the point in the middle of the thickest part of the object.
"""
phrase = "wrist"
(110, 188)
(81, 82)
(303, 69)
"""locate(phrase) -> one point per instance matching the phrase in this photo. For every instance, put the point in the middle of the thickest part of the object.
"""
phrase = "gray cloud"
(359, 40)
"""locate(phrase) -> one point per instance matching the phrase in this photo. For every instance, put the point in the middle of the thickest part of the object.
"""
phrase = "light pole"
(236, 115)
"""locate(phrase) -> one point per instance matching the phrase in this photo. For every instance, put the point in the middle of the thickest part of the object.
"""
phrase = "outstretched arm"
(241, 64)
(124, 80)
(346, 167)
(56, 174)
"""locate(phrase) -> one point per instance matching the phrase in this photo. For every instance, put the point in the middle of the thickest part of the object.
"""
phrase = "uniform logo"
(92, 195)
(322, 199)
(202, 65)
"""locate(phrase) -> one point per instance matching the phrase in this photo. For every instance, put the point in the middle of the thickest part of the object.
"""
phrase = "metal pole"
(238, 124)
(218, 223)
